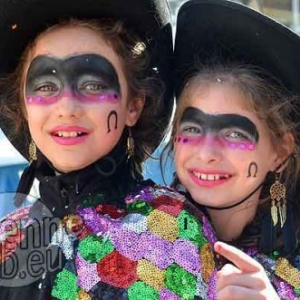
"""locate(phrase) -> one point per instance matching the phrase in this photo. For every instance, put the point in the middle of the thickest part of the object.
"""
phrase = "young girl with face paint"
(86, 106)
(235, 139)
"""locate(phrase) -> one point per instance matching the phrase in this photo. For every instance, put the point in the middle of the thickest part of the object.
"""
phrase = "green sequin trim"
(65, 287)
(181, 282)
(297, 291)
(275, 255)
(190, 229)
(140, 290)
(93, 248)
(141, 207)
(92, 201)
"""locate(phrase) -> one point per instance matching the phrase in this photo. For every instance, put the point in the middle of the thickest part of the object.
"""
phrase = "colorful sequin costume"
(152, 245)
(154, 249)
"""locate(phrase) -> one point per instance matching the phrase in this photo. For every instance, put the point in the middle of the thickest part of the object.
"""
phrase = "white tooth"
(197, 174)
(79, 132)
(66, 134)
(60, 133)
(210, 177)
(203, 176)
(73, 134)
(217, 177)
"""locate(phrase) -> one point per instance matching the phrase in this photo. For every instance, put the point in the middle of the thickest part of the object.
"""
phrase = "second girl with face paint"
(235, 139)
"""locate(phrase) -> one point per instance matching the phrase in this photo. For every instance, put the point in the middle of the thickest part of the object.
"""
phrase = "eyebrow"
(220, 121)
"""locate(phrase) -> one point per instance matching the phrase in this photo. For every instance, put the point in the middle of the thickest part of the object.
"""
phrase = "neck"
(230, 224)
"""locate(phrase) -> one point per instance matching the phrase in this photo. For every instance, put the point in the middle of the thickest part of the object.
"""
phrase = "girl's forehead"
(67, 41)
(218, 98)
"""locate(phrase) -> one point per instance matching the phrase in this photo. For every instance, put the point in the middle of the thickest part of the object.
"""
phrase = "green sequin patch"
(139, 206)
(93, 248)
(190, 229)
(181, 282)
(142, 291)
(65, 287)
(297, 291)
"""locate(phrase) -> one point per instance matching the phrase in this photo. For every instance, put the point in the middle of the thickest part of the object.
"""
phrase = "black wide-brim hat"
(22, 20)
(230, 32)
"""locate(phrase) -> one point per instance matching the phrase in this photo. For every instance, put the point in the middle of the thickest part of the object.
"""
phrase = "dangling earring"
(130, 144)
(278, 204)
(32, 151)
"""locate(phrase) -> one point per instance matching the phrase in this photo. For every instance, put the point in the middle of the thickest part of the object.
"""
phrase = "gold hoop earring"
(130, 144)
(32, 151)
(278, 201)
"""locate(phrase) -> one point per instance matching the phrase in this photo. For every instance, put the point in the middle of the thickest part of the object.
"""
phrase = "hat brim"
(231, 32)
(21, 21)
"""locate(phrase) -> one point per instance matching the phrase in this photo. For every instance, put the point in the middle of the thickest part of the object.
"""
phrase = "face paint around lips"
(88, 78)
(230, 130)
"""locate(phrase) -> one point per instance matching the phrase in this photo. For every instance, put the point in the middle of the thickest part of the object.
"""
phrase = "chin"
(209, 200)
(67, 168)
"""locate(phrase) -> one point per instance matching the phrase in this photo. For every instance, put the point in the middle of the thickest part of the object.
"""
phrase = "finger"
(254, 281)
(243, 261)
(236, 292)
(227, 270)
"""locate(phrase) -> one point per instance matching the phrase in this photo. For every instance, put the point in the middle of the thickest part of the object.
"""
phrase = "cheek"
(36, 116)
(180, 154)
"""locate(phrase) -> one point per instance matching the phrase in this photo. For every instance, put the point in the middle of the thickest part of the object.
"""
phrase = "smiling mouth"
(69, 134)
(210, 177)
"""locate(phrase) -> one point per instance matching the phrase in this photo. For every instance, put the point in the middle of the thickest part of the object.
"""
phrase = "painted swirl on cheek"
(87, 78)
(224, 130)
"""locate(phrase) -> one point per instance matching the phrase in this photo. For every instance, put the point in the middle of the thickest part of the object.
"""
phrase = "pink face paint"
(110, 97)
(216, 141)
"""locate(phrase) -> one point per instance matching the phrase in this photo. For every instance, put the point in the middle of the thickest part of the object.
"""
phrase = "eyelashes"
(90, 92)
(110, 97)
(234, 138)
(229, 134)
(201, 140)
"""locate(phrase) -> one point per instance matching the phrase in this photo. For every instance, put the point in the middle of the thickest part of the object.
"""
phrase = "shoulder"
(11, 231)
(167, 204)
(283, 272)
(154, 192)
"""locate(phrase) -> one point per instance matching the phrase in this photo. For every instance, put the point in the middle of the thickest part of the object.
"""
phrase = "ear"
(134, 110)
(285, 149)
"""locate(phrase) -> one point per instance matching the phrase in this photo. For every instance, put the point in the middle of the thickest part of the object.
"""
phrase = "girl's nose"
(209, 150)
(69, 106)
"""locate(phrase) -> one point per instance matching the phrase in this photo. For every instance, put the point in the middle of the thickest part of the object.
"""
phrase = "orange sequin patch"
(164, 225)
(208, 263)
(150, 274)
(287, 272)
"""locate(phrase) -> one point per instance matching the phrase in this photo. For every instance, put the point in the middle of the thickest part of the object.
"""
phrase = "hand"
(244, 279)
